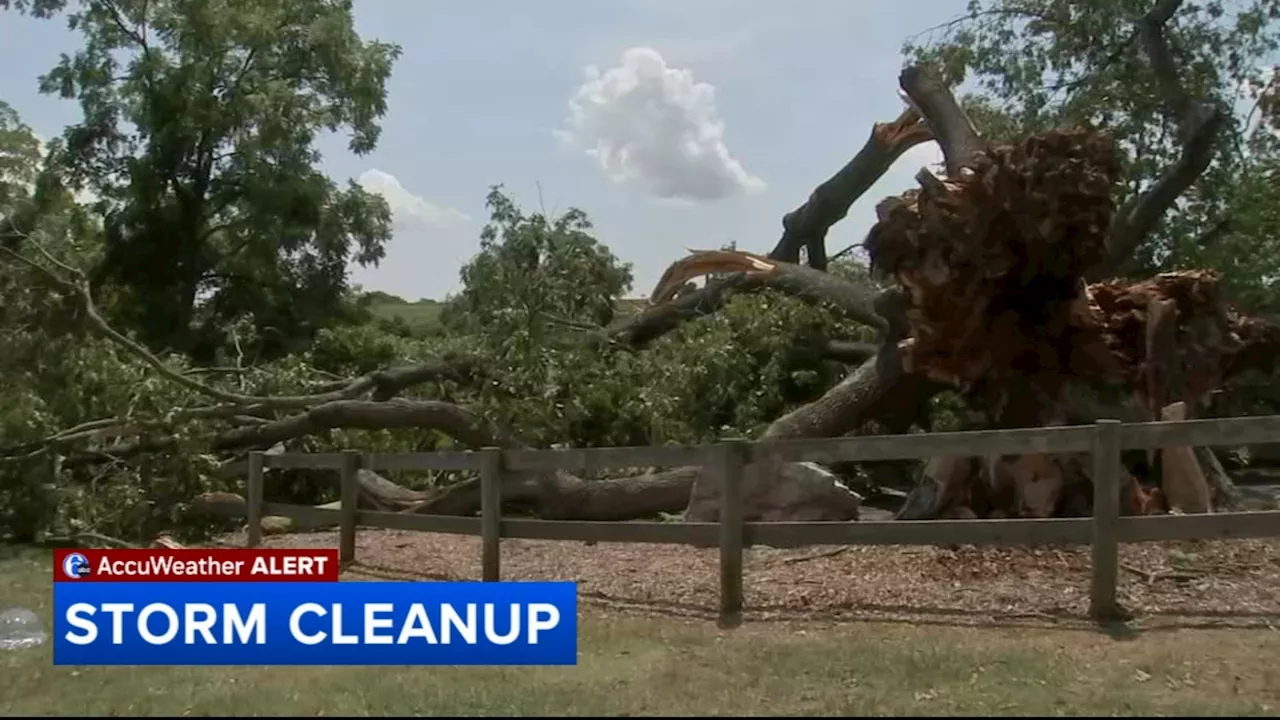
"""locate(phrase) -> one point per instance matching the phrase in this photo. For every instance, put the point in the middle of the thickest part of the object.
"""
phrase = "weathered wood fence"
(730, 459)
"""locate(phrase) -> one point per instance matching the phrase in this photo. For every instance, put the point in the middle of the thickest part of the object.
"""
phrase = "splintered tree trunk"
(1183, 482)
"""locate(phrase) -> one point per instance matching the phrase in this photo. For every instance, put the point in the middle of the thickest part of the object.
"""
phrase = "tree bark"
(873, 391)
(806, 227)
(960, 143)
(561, 496)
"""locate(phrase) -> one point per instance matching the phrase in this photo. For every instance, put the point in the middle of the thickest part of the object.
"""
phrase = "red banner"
(196, 565)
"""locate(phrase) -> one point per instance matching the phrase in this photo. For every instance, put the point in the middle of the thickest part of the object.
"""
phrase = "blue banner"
(329, 623)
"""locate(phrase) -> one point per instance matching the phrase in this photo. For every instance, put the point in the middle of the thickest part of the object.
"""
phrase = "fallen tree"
(982, 285)
(1014, 236)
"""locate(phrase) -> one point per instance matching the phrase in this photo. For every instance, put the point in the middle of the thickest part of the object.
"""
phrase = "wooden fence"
(730, 459)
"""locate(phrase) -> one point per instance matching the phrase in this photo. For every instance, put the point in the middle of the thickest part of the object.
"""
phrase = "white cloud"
(649, 124)
(430, 243)
(410, 211)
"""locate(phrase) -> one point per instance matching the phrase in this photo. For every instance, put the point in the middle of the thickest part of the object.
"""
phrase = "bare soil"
(1187, 584)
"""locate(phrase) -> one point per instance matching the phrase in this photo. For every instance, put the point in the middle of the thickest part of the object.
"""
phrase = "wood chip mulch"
(1204, 583)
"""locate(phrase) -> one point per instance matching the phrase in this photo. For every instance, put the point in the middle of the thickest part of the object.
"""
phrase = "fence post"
(1103, 604)
(350, 497)
(491, 514)
(253, 498)
(727, 463)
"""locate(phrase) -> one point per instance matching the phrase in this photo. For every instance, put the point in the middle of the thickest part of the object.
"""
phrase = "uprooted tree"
(989, 281)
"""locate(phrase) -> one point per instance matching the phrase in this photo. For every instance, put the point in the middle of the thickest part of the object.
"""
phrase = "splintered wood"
(1174, 338)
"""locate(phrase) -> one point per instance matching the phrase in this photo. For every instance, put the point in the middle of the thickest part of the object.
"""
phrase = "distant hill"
(423, 316)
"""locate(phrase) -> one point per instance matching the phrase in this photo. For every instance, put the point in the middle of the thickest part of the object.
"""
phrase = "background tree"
(199, 129)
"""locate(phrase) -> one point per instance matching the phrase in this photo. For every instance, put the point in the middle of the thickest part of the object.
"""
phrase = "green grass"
(423, 316)
(644, 666)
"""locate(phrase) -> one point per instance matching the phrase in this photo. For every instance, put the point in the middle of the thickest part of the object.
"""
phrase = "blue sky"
(674, 124)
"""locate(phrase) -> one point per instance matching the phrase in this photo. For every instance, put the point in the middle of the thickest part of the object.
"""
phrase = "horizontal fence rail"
(729, 460)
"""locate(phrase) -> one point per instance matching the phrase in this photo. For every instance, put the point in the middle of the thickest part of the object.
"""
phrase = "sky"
(674, 124)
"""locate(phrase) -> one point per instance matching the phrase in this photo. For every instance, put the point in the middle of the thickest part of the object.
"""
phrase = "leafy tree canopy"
(198, 136)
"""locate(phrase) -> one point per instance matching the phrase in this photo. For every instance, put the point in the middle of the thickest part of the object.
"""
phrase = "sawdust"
(1202, 583)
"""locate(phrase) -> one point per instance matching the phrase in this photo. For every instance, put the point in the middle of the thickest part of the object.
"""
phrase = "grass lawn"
(421, 316)
(645, 666)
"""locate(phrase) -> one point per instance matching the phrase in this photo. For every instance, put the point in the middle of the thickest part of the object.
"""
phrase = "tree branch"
(463, 425)
(849, 351)
(804, 227)
(961, 145)
(1198, 128)
(385, 383)
(807, 226)
(1151, 33)
(808, 284)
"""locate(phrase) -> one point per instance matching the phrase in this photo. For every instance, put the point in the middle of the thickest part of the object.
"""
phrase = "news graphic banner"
(197, 565)
(284, 607)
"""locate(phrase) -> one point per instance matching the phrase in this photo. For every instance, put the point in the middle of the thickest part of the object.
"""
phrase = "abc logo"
(75, 565)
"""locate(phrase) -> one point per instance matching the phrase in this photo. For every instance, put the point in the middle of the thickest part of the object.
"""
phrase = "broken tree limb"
(961, 145)
(386, 383)
(798, 281)
(1181, 479)
(458, 367)
(773, 491)
(637, 331)
(805, 227)
(399, 413)
(805, 492)
(460, 423)
(557, 497)
(561, 496)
